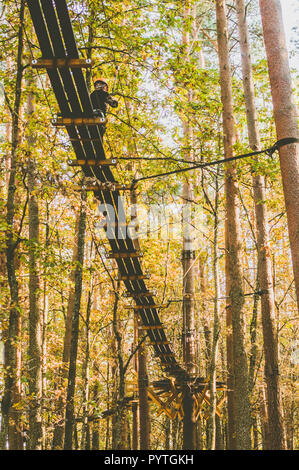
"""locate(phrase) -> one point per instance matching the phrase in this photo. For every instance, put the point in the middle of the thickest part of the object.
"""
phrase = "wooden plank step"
(160, 353)
(108, 187)
(138, 295)
(151, 327)
(61, 63)
(149, 307)
(146, 307)
(128, 254)
(107, 162)
(135, 277)
(153, 343)
(78, 121)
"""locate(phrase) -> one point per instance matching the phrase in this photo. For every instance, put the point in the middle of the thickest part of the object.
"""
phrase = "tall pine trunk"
(35, 384)
(216, 324)
(144, 416)
(85, 375)
(285, 116)
(275, 424)
(188, 262)
(234, 282)
(70, 399)
(119, 431)
(63, 371)
(11, 423)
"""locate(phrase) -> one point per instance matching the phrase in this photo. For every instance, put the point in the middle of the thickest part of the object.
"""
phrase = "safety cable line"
(269, 151)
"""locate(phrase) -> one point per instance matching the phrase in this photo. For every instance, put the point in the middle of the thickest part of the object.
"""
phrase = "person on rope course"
(100, 98)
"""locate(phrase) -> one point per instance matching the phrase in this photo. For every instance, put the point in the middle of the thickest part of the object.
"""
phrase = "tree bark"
(95, 441)
(144, 419)
(63, 372)
(85, 378)
(285, 116)
(275, 424)
(202, 315)
(35, 378)
(10, 423)
(188, 263)
(70, 405)
(44, 328)
(234, 283)
(216, 325)
(119, 441)
(144, 416)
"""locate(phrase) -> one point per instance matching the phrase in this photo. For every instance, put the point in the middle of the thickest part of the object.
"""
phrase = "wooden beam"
(107, 162)
(199, 401)
(138, 295)
(151, 327)
(128, 254)
(78, 121)
(172, 397)
(153, 343)
(107, 187)
(180, 410)
(159, 402)
(159, 353)
(146, 307)
(61, 63)
(135, 277)
(79, 139)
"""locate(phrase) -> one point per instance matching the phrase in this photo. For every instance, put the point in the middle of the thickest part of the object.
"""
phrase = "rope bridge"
(60, 57)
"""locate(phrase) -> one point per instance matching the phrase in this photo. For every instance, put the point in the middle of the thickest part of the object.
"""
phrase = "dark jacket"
(100, 99)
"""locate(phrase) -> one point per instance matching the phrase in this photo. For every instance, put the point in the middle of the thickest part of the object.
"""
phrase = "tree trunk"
(264, 420)
(85, 377)
(118, 423)
(135, 407)
(188, 263)
(285, 116)
(44, 328)
(264, 261)
(144, 417)
(216, 325)
(70, 405)
(11, 423)
(234, 284)
(95, 440)
(63, 372)
(134, 426)
(144, 421)
(202, 315)
(35, 378)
